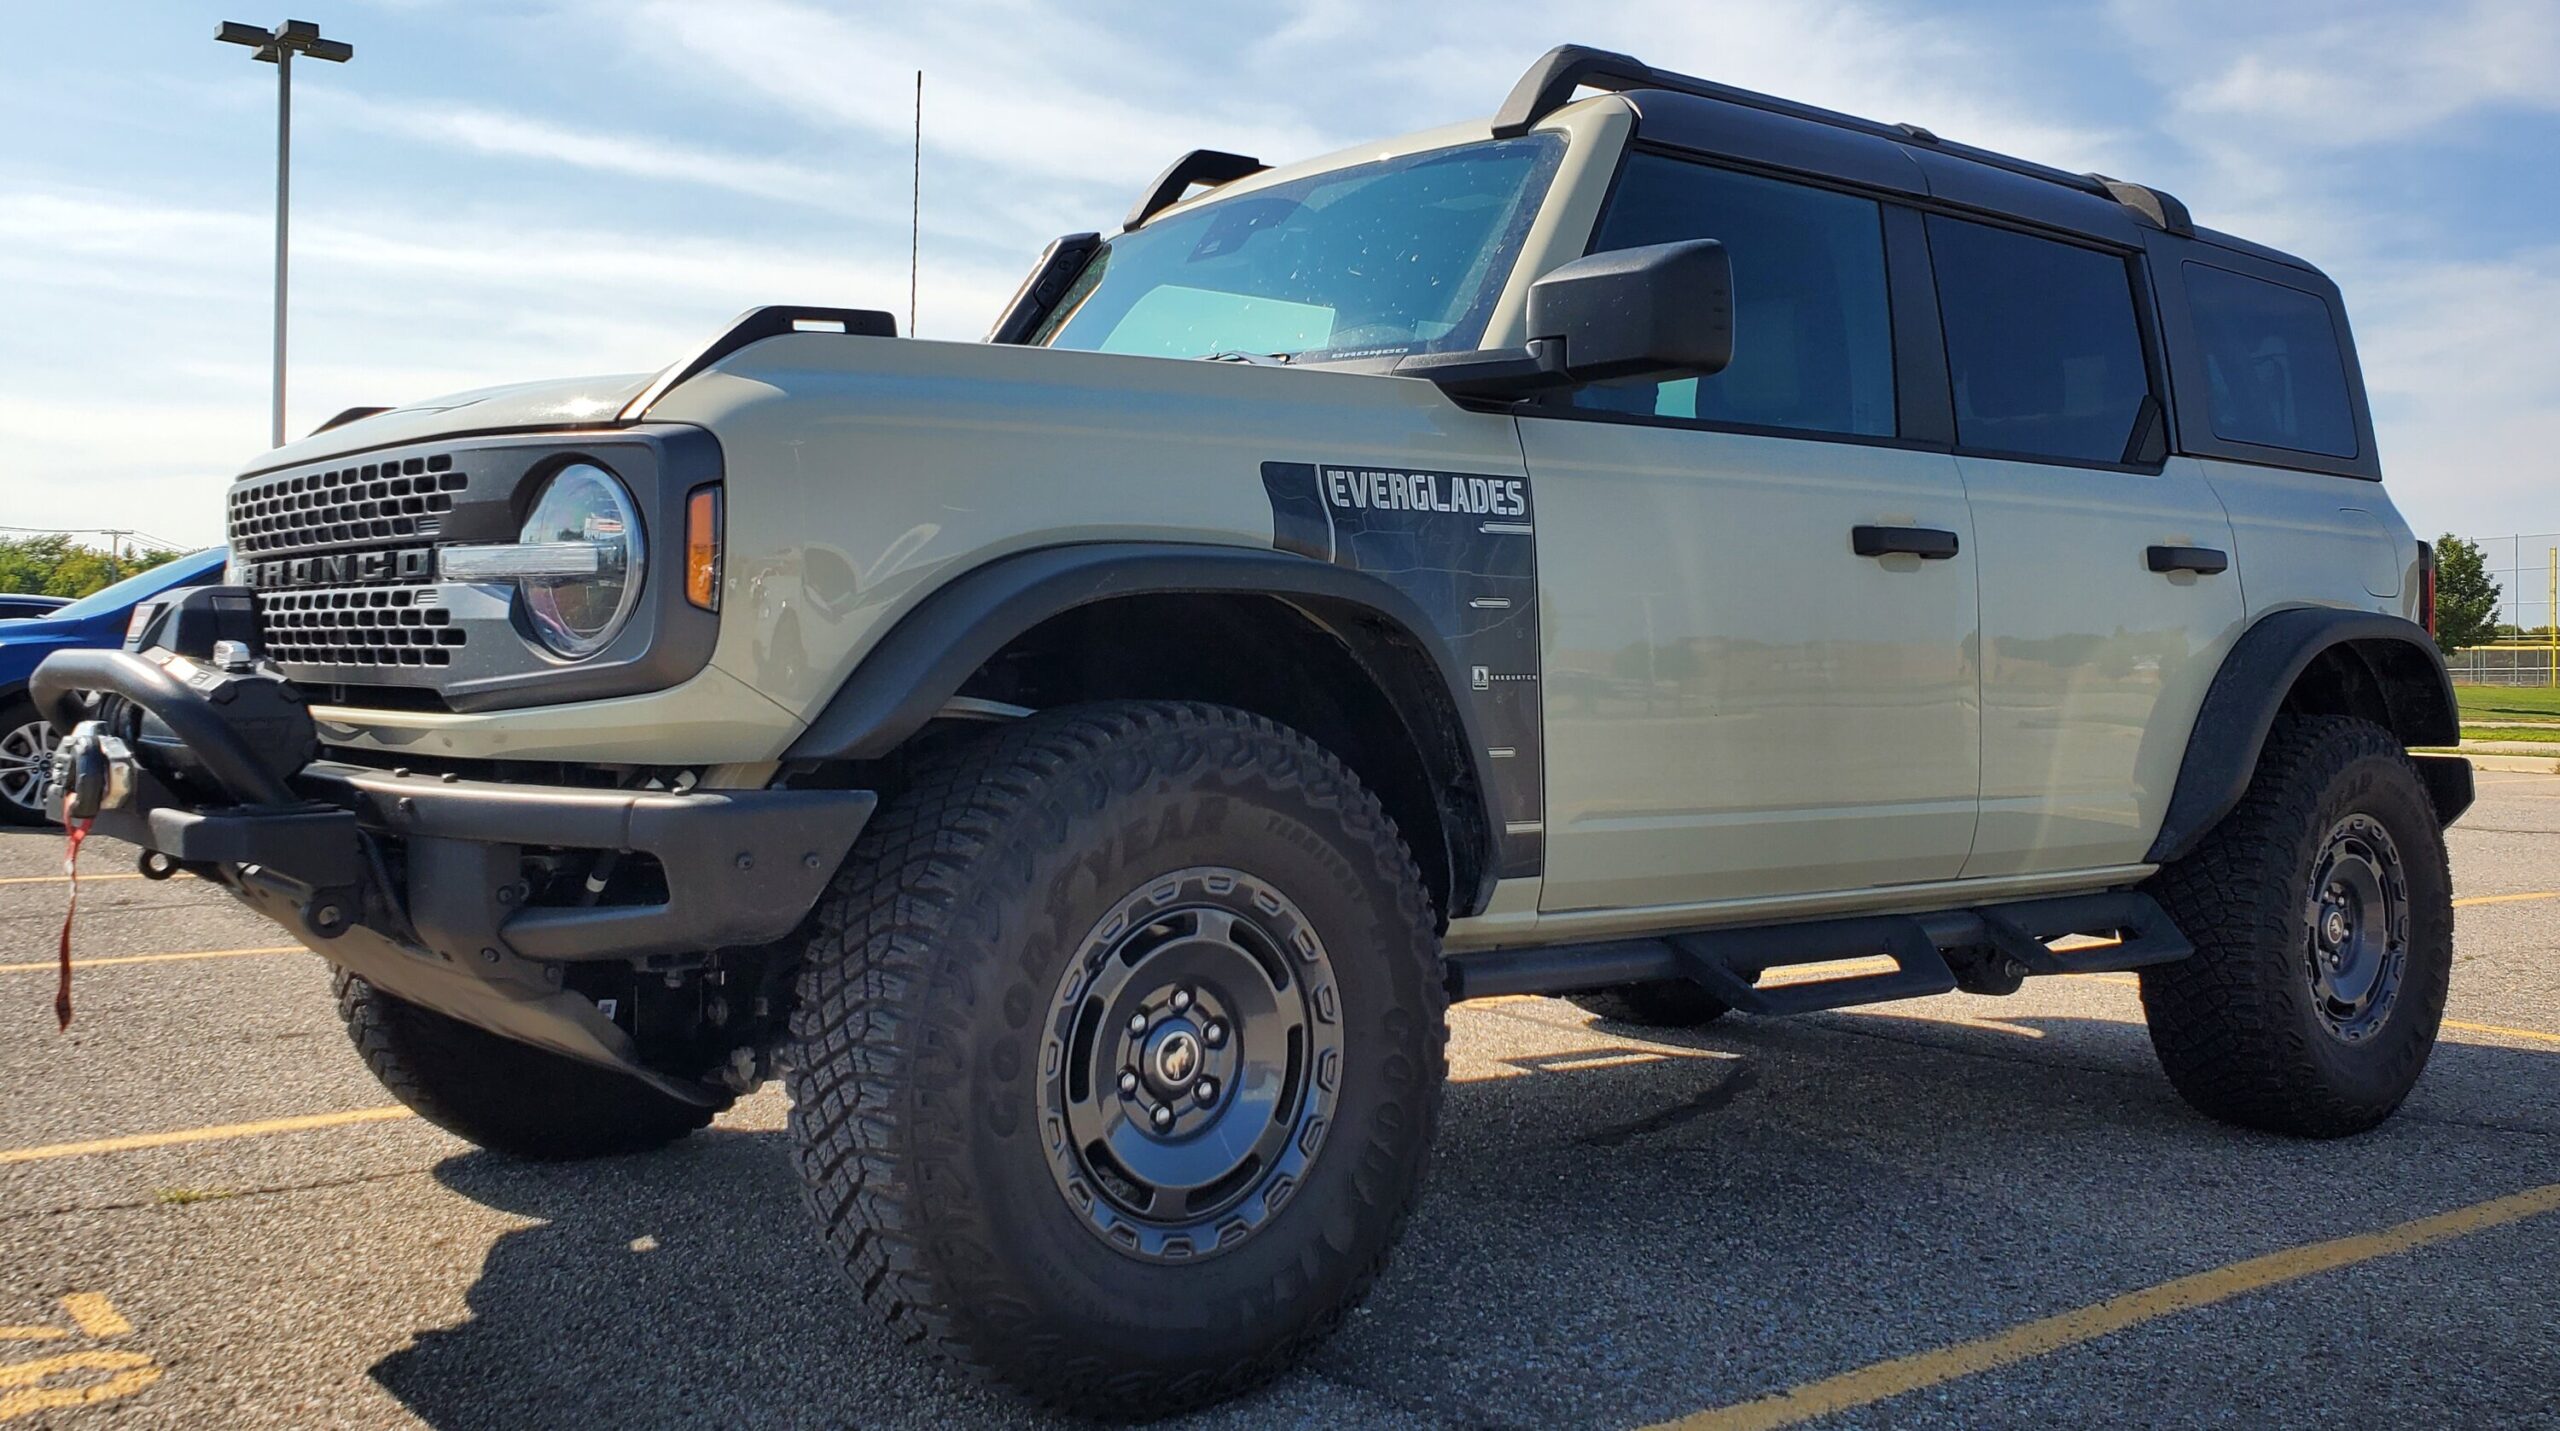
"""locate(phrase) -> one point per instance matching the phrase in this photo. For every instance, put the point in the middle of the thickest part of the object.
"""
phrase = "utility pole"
(115, 551)
(278, 47)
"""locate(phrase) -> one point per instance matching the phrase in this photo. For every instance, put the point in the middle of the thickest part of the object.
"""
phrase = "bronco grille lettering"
(402, 565)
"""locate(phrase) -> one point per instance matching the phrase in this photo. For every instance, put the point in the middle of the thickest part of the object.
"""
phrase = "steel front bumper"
(414, 882)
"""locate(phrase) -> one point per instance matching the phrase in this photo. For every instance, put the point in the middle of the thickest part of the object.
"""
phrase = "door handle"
(2203, 561)
(1926, 543)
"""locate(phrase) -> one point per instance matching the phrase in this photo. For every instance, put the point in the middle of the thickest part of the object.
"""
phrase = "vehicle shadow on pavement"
(1602, 1243)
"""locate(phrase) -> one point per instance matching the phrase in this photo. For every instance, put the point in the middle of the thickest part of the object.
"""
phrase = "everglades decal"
(1390, 490)
(1463, 546)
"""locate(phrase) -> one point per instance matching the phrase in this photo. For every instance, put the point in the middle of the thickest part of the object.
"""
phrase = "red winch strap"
(74, 831)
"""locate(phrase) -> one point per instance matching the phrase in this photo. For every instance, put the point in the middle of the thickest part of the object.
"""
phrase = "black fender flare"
(909, 675)
(2249, 691)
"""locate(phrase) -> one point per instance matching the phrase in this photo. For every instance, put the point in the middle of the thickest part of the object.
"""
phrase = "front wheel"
(1119, 1048)
(26, 750)
(2321, 910)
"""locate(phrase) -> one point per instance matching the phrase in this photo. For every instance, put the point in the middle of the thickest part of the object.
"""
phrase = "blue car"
(18, 605)
(95, 620)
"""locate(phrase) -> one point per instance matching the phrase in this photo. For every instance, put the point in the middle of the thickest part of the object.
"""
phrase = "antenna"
(915, 210)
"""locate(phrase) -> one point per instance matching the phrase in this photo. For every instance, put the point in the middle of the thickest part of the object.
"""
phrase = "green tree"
(58, 566)
(2466, 595)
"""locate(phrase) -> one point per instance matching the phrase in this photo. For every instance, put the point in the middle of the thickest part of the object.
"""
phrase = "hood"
(561, 402)
(33, 629)
(24, 643)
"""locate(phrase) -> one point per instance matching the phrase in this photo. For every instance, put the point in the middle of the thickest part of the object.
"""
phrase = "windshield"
(1402, 256)
(184, 571)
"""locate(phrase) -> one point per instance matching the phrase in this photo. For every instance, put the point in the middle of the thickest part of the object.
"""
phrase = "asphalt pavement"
(1962, 1211)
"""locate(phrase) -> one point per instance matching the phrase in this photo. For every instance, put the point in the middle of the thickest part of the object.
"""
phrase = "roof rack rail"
(1549, 85)
(1201, 166)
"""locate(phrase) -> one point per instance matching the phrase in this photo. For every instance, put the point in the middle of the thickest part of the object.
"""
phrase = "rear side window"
(2042, 344)
(1813, 335)
(2272, 363)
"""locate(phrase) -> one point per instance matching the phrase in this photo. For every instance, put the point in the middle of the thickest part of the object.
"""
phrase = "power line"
(163, 543)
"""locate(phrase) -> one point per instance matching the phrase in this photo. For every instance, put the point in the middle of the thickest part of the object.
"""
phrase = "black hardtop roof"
(1688, 112)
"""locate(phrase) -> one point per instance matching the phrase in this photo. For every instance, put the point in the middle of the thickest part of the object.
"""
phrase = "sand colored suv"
(1658, 537)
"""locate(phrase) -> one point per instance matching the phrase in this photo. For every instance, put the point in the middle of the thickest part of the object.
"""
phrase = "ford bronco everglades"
(1657, 537)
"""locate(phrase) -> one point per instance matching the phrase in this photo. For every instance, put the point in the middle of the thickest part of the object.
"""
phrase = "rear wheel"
(26, 749)
(1118, 1057)
(1654, 1004)
(506, 1096)
(2322, 914)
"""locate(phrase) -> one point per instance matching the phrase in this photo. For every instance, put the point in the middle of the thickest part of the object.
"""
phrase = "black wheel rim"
(25, 752)
(1190, 1064)
(2357, 943)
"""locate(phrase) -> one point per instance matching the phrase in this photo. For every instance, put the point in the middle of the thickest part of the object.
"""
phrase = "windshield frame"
(1488, 271)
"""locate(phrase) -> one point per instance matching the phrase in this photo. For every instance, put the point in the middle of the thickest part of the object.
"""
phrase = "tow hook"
(325, 912)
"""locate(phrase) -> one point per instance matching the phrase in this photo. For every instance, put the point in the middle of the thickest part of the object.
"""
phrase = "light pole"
(278, 47)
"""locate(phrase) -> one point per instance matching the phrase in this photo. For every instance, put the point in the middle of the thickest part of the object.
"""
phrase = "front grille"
(359, 503)
(359, 626)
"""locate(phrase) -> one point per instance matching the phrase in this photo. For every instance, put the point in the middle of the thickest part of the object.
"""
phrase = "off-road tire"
(2237, 1026)
(1653, 1004)
(505, 1096)
(925, 994)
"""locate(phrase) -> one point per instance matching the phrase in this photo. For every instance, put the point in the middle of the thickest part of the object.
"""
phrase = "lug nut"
(1128, 1081)
(1215, 1034)
(1206, 1090)
(1138, 1022)
(1162, 1116)
(1181, 1000)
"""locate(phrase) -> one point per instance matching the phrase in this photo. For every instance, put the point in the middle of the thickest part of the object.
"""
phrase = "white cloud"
(2334, 80)
(1023, 88)
(631, 155)
(2465, 382)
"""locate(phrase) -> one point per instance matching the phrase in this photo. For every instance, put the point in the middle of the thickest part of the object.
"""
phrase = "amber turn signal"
(702, 548)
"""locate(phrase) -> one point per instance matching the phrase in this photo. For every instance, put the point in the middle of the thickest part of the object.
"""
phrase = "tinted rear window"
(2042, 345)
(2272, 363)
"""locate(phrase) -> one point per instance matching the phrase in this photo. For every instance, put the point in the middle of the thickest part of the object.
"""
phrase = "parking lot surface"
(1963, 1211)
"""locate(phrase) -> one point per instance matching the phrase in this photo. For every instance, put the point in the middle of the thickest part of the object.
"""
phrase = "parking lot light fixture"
(278, 47)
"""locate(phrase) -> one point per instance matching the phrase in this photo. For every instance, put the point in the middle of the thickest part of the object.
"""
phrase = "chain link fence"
(2526, 567)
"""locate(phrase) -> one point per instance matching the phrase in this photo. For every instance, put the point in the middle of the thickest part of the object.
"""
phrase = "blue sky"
(501, 191)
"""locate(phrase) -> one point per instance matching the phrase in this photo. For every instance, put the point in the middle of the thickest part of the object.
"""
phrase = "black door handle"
(1926, 543)
(2203, 561)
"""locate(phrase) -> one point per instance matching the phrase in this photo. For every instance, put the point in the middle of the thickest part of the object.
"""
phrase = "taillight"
(702, 548)
(2427, 587)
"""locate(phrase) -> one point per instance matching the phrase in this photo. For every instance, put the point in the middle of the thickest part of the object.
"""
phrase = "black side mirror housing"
(1665, 309)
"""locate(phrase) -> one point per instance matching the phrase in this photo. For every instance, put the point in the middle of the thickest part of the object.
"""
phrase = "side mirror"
(1665, 309)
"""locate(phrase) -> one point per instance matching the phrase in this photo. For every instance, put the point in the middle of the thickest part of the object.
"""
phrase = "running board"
(1994, 947)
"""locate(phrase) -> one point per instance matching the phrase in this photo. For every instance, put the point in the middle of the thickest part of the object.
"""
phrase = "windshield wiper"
(1260, 360)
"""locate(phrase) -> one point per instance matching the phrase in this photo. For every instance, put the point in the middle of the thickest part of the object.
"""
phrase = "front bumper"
(414, 882)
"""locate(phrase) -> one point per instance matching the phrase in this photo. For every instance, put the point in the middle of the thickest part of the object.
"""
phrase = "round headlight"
(575, 616)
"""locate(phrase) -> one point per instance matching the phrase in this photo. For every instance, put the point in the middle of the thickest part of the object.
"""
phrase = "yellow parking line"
(57, 879)
(95, 1315)
(48, 966)
(1887, 1379)
(2502, 1031)
(222, 1133)
(2506, 898)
